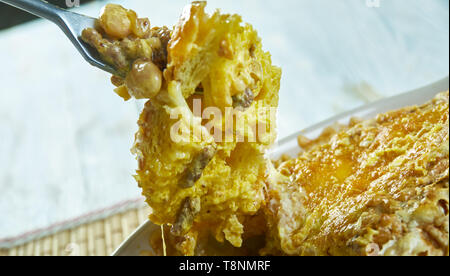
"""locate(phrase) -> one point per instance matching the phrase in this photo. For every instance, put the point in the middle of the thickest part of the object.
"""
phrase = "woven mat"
(97, 238)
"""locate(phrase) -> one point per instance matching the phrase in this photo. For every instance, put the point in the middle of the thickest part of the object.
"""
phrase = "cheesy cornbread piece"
(208, 122)
(224, 57)
(208, 183)
(378, 187)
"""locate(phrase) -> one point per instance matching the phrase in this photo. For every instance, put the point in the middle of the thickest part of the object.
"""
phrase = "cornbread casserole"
(376, 187)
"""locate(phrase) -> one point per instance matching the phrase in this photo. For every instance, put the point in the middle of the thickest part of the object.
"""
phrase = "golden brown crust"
(223, 56)
(187, 33)
(378, 187)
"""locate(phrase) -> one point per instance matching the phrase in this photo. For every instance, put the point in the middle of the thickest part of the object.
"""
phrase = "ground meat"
(111, 52)
(189, 209)
(121, 53)
(195, 169)
(243, 100)
(159, 56)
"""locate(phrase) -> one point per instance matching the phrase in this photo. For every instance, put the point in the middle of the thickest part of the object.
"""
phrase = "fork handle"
(38, 8)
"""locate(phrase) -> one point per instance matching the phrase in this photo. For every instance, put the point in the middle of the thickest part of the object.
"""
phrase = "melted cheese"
(381, 183)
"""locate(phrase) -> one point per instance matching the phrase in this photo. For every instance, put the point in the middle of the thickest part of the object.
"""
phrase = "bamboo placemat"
(97, 238)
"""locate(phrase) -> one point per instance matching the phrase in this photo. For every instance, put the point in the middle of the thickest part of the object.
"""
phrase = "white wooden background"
(65, 136)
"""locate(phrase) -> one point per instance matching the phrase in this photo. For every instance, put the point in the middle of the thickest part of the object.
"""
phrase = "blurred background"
(65, 136)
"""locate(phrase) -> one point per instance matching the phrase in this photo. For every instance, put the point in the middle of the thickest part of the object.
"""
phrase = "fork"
(72, 24)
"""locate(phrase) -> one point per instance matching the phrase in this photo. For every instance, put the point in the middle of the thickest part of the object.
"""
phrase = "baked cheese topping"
(377, 187)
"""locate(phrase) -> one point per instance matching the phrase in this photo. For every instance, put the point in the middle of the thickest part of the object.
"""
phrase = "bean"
(144, 80)
(114, 21)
